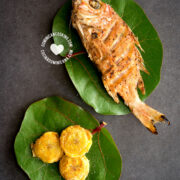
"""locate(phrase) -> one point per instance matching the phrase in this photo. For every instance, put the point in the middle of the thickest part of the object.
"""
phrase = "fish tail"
(148, 116)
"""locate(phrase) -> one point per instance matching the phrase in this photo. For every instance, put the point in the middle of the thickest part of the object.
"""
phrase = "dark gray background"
(25, 77)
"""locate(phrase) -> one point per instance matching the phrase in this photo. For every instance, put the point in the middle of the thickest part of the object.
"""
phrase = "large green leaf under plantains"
(55, 114)
(85, 76)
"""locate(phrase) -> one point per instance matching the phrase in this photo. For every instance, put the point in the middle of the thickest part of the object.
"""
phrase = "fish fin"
(138, 44)
(141, 85)
(148, 116)
(143, 68)
(113, 94)
(141, 62)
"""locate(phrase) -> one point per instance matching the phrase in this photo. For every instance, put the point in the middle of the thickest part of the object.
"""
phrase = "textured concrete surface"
(25, 77)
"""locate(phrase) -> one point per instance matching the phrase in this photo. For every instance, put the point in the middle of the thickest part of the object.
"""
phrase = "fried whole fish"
(112, 47)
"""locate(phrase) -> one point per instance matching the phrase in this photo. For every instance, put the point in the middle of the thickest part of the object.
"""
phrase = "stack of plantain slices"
(70, 149)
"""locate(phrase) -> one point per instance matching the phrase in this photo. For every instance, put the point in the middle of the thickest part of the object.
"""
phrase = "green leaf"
(85, 76)
(55, 114)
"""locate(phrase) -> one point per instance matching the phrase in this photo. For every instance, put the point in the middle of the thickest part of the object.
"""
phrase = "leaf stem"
(98, 129)
(76, 54)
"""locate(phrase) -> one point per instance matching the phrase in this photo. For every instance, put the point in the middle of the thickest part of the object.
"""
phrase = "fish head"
(95, 4)
(91, 12)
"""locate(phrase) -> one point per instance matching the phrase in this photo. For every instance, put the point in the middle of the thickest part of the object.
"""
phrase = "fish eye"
(96, 4)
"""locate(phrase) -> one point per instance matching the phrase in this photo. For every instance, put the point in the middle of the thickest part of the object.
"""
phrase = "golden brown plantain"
(75, 141)
(47, 148)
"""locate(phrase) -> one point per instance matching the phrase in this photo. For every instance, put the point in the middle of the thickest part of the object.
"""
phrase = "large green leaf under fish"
(84, 74)
(55, 114)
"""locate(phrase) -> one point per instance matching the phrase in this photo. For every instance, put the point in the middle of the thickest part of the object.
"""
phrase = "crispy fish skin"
(113, 48)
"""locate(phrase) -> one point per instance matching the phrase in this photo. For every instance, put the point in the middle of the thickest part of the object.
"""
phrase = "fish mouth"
(76, 2)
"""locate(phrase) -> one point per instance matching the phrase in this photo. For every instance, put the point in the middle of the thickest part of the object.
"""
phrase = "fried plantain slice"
(75, 141)
(47, 148)
(74, 168)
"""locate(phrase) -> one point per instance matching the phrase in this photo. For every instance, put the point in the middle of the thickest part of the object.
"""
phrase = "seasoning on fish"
(113, 48)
